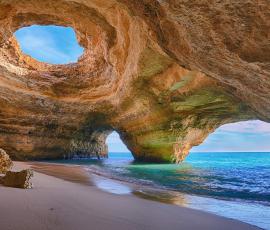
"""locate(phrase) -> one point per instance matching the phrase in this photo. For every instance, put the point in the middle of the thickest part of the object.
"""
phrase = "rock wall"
(163, 74)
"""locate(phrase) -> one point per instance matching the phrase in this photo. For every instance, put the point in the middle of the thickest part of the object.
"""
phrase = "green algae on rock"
(163, 74)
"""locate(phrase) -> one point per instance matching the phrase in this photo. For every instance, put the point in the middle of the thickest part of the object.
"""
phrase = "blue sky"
(58, 45)
(51, 44)
(245, 136)
(115, 144)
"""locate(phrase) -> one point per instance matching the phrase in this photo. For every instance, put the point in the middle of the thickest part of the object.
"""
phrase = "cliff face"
(163, 74)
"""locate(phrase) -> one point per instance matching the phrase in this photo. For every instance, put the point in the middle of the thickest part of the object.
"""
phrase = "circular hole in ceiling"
(50, 44)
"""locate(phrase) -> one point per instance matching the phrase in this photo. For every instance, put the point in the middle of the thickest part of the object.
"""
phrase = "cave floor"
(55, 203)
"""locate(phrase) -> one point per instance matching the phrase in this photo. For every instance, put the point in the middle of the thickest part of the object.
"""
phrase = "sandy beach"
(74, 203)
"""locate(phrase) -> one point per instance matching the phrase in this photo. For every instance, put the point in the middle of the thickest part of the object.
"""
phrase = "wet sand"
(60, 204)
(70, 173)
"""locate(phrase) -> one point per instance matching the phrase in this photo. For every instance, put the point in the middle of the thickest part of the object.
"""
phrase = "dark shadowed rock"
(20, 179)
(163, 74)
(5, 162)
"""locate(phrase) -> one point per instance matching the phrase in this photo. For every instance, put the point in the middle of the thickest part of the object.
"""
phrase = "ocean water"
(234, 185)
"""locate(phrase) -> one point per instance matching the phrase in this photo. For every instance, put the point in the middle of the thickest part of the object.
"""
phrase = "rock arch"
(164, 74)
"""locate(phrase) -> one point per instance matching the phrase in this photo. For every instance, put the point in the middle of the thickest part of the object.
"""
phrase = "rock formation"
(163, 74)
(20, 179)
(5, 162)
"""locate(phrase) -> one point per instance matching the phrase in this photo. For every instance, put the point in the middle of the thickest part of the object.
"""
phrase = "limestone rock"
(163, 74)
(5, 162)
(20, 179)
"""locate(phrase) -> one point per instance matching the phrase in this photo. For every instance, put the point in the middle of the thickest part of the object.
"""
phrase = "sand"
(58, 204)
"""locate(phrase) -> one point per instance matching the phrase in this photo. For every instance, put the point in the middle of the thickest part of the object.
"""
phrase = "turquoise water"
(235, 185)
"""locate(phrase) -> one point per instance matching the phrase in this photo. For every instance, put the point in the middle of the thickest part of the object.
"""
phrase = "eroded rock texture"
(163, 74)
(5, 162)
(21, 179)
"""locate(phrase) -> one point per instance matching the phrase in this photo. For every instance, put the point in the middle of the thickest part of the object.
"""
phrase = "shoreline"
(85, 172)
(114, 185)
(56, 203)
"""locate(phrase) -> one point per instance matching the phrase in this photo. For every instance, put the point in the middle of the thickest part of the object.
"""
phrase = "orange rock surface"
(163, 74)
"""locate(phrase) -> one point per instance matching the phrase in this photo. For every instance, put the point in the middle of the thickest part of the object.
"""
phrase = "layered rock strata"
(163, 74)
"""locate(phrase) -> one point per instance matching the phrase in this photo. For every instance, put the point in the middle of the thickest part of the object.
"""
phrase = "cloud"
(247, 136)
(51, 44)
(42, 48)
(255, 126)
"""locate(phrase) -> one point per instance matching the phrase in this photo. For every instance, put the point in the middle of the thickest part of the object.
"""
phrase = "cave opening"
(116, 147)
(50, 44)
(243, 136)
